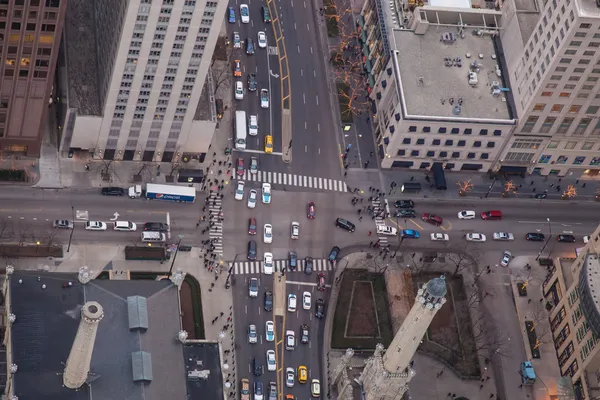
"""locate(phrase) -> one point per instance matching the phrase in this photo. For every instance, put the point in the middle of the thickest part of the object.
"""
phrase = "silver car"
(62, 224)
(506, 257)
(252, 335)
(252, 195)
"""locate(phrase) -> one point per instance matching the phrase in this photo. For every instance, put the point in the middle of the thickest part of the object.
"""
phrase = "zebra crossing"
(273, 51)
(255, 267)
(281, 178)
(215, 209)
(379, 209)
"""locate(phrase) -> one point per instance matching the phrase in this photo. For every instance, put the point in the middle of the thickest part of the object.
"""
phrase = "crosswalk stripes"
(215, 208)
(272, 51)
(255, 267)
(282, 178)
(380, 212)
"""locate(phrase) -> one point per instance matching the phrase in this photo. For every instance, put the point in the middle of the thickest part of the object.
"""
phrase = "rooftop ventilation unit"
(456, 109)
(448, 37)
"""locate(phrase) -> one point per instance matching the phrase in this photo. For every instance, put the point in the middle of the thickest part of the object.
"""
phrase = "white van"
(253, 125)
(153, 237)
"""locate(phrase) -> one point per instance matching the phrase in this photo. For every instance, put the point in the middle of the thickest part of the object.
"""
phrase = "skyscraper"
(30, 33)
(140, 97)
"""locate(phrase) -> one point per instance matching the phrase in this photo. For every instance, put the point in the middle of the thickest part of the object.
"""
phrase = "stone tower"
(80, 357)
(387, 374)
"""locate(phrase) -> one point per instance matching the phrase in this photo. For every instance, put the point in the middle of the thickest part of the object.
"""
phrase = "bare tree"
(221, 77)
(461, 258)
(488, 338)
(6, 229)
(23, 233)
(175, 163)
(223, 50)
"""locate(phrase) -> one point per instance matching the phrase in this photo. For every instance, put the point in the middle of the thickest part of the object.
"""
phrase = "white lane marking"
(307, 27)
(295, 27)
(311, 50)
(317, 100)
(304, 98)
(298, 49)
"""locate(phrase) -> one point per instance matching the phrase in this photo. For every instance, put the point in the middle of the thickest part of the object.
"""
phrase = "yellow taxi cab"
(268, 144)
(315, 388)
(302, 374)
(237, 68)
(245, 390)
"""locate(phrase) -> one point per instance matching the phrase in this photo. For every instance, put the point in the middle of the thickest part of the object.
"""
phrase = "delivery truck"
(184, 194)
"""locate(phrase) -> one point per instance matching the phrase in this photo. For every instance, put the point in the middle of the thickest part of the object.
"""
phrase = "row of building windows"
(562, 159)
(563, 127)
(455, 131)
(442, 154)
(30, 26)
(570, 145)
(448, 142)
(573, 109)
(36, 3)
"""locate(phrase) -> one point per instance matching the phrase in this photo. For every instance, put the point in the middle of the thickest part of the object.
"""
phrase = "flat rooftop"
(429, 85)
(203, 358)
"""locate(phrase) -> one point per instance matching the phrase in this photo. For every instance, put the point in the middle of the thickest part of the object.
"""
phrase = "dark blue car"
(231, 15)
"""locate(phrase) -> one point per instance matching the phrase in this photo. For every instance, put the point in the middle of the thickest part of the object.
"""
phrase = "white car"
(506, 257)
(289, 377)
(244, 13)
(295, 231)
(262, 40)
(386, 230)
(266, 193)
(237, 43)
(268, 264)
(290, 340)
(252, 195)
(269, 331)
(306, 300)
(442, 237)
(124, 226)
(466, 215)
(291, 307)
(503, 236)
(264, 98)
(253, 125)
(475, 237)
(239, 190)
(268, 233)
(95, 226)
(271, 363)
(239, 90)
(252, 335)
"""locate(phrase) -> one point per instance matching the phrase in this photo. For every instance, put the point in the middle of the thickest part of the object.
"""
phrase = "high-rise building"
(30, 33)
(552, 52)
(136, 72)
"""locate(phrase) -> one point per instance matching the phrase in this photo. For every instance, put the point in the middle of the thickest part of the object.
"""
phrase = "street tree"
(461, 257)
(570, 193)
(510, 188)
(464, 187)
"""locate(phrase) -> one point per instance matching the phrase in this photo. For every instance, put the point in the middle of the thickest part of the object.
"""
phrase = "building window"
(529, 124)
(546, 94)
(587, 146)
(477, 144)
(426, 129)
(456, 154)
(582, 126)
(553, 144)
(401, 152)
(483, 132)
(491, 144)
(420, 141)
(455, 131)
(565, 125)
(449, 142)
(485, 156)
(412, 128)
(497, 132)
(539, 107)
(468, 131)
(547, 125)
(406, 141)
(574, 109)
(414, 153)
(570, 145)
(556, 108)
(436, 142)
(430, 153)
(526, 143)
(443, 154)
(442, 130)
(471, 155)
(461, 143)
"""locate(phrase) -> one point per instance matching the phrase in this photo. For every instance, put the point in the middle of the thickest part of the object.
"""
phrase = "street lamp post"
(491, 187)
(73, 229)
(547, 240)
(175, 255)
(230, 272)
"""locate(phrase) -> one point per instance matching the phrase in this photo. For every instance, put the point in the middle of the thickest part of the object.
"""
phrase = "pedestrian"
(371, 243)
(372, 154)
(521, 386)
(369, 234)
(412, 178)
(583, 185)
(481, 386)
(552, 185)
(222, 313)
(360, 218)
(491, 395)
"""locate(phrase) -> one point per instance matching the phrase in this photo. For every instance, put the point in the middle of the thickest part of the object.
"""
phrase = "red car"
(311, 210)
(432, 219)
(321, 282)
(252, 226)
(240, 166)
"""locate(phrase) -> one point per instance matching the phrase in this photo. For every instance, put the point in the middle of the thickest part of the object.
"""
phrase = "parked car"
(442, 237)
(268, 233)
(252, 195)
(306, 300)
(156, 227)
(257, 367)
(231, 15)
(266, 193)
(251, 82)
(410, 234)
(112, 191)
(252, 250)
(466, 214)
(245, 390)
(475, 237)
(503, 236)
(124, 226)
(290, 377)
(386, 230)
(264, 98)
(506, 257)
(253, 165)
(566, 238)
(404, 204)
(292, 301)
(237, 43)
(271, 363)
(304, 334)
(432, 219)
(95, 226)
(334, 253)
(535, 237)
(405, 213)
(249, 46)
(268, 264)
(239, 190)
(295, 230)
(253, 287)
(269, 331)
(62, 224)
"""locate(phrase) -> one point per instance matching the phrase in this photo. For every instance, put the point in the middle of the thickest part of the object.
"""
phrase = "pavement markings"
(304, 283)
(282, 178)
(379, 211)
(256, 267)
(216, 231)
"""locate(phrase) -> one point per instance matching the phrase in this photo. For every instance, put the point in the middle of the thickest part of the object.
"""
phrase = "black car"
(266, 14)
(345, 224)
(258, 389)
(268, 300)
(252, 82)
(156, 227)
(308, 265)
(566, 238)
(320, 308)
(292, 260)
(334, 253)
(535, 237)
(404, 204)
(251, 250)
(304, 335)
(541, 196)
(249, 46)
(112, 191)
(405, 213)
(272, 391)
(257, 367)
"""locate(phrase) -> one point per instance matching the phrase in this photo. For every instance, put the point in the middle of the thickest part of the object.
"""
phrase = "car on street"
(290, 377)
(292, 260)
(442, 237)
(311, 210)
(506, 257)
(272, 391)
(258, 368)
(269, 331)
(95, 226)
(404, 204)
(266, 193)
(252, 195)
(268, 264)
(295, 230)
(503, 236)
(466, 214)
(268, 144)
(306, 300)
(124, 226)
(290, 340)
(250, 46)
(291, 303)
(475, 237)
(432, 219)
(231, 15)
(268, 233)
(565, 238)
(334, 253)
(271, 363)
(266, 14)
(239, 166)
(62, 224)
(308, 265)
(244, 13)
(239, 190)
(112, 191)
(264, 98)
(268, 301)
(253, 165)
(237, 68)
(386, 230)
(321, 282)
(540, 196)
(237, 43)
(491, 215)
(252, 250)
(252, 226)
(302, 374)
(253, 287)
(239, 90)
(252, 334)
(535, 237)
(304, 334)
(258, 390)
(156, 227)
(252, 84)
(315, 388)
(320, 308)
(410, 234)
(586, 239)
(405, 213)
(245, 390)
(262, 40)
